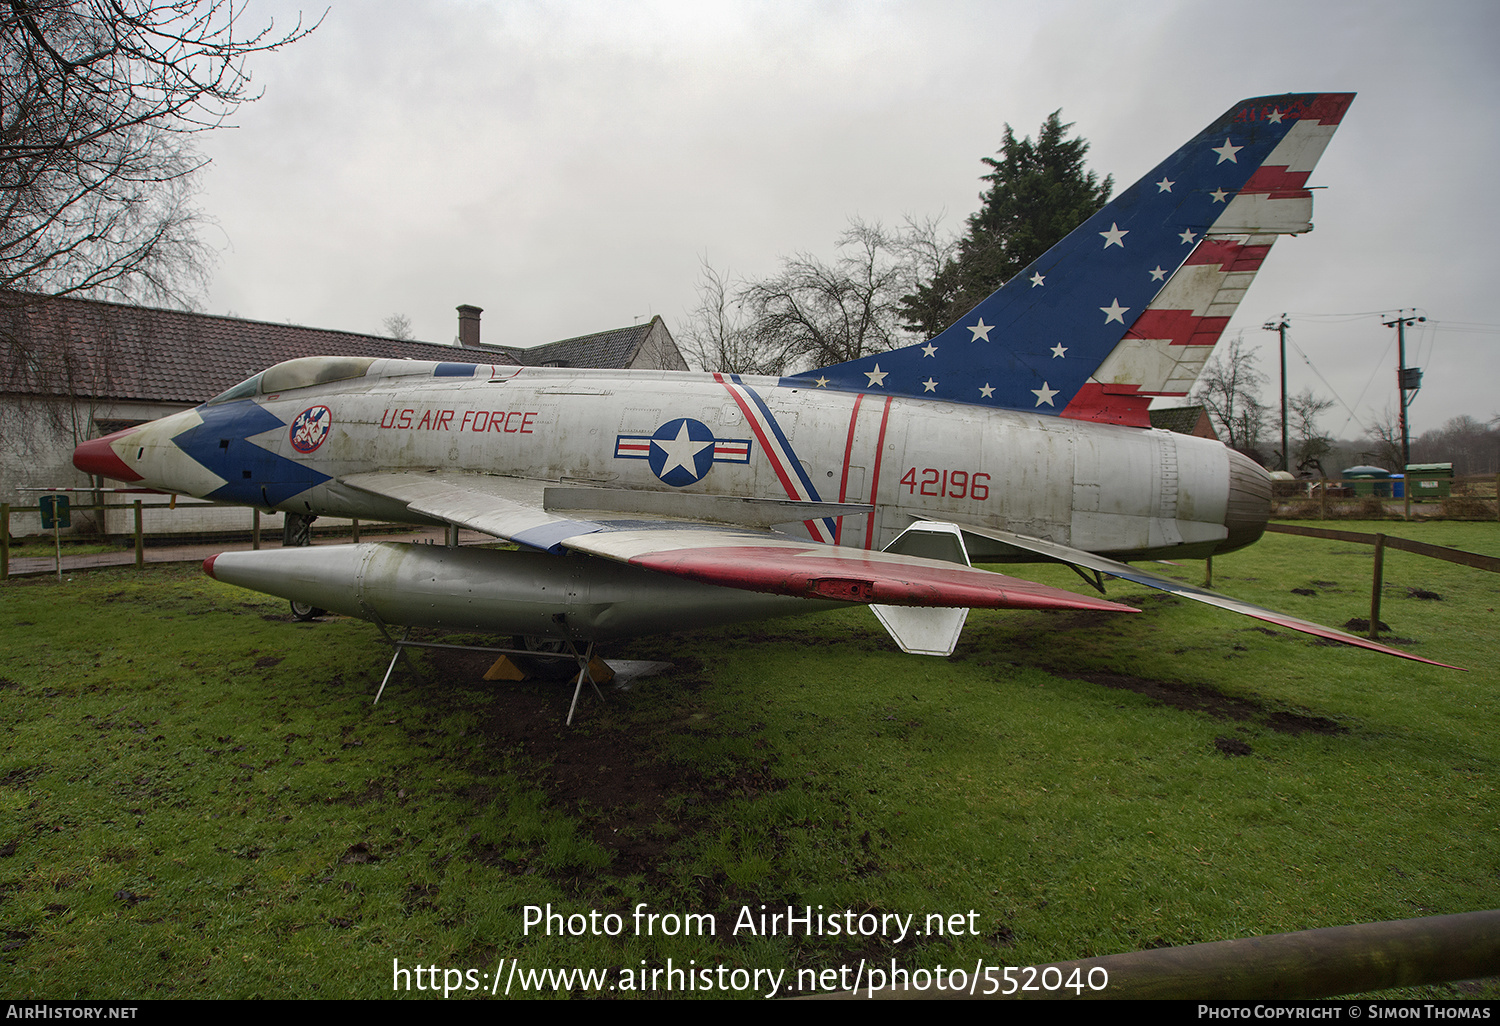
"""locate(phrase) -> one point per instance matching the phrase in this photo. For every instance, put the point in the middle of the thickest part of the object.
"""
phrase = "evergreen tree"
(1038, 193)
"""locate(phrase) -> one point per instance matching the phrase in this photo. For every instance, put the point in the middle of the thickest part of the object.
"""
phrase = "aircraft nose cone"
(98, 456)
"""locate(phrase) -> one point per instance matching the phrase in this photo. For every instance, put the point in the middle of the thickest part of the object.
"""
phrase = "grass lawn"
(198, 800)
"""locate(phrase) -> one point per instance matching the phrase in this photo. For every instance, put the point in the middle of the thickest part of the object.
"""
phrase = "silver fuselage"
(1123, 491)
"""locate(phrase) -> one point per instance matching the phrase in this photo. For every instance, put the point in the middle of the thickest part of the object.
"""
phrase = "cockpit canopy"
(299, 373)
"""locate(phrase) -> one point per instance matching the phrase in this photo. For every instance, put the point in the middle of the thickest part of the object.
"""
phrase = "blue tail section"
(1033, 344)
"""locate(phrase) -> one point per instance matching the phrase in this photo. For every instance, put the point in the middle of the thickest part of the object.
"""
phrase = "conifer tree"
(1038, 193)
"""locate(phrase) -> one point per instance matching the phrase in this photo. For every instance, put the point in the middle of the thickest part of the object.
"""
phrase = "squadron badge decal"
(310, 427)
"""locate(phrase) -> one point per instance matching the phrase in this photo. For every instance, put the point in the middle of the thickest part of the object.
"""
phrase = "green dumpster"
(1429, 480)
(1368, 481)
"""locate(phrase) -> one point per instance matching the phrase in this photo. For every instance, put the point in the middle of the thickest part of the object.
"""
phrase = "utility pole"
(1408, 379)
(1281, 326)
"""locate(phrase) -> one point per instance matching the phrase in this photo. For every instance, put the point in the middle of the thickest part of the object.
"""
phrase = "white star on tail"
(980, 330)
(1164, 185)
(929, 350)
(1037, 279)
(1044, 394)
(929, 385)
(985, 390)
(1227, 152)
(1158, 273)
(1115, 236)
(1059, 349)
(1115, 312)
(877, 376)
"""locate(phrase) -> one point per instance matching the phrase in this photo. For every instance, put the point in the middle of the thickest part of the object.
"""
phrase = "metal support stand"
(583, 671)
(400, 653)
(404, 642)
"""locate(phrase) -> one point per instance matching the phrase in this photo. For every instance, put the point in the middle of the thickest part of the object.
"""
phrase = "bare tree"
(1385, 442)
(1472, 446)
(812, 312)
(398, 326)
(99, 100)
(1229, 389)
(715, 336)
(1309, 445)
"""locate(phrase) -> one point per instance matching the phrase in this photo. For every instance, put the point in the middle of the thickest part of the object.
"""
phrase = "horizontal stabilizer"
(1053, 552)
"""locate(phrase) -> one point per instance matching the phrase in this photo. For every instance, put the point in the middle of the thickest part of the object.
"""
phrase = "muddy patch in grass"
(1204, 699)
(635, 804)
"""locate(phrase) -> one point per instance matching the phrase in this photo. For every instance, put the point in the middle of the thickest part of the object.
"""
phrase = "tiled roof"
(609, 349)
(111, 351)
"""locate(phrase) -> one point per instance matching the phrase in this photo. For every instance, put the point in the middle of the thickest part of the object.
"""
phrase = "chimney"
(468, 325)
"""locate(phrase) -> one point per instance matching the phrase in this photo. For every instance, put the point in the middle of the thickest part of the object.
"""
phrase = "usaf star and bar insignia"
(682, 451)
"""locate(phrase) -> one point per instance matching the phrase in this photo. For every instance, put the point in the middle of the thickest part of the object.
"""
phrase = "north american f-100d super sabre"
(646, 501)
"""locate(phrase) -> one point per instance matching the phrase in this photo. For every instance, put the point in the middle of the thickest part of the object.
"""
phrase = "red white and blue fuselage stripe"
(778, 450)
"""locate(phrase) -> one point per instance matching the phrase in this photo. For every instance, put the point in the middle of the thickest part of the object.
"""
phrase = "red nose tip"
(97, 456)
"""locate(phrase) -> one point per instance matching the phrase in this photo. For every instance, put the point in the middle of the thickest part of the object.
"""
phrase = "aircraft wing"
(1053, 552)
(722, 554)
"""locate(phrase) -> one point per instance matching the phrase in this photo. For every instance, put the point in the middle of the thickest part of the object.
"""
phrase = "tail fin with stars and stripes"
(1130, 304)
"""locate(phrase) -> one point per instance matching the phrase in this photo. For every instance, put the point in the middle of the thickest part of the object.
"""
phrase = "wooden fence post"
(1375, 587)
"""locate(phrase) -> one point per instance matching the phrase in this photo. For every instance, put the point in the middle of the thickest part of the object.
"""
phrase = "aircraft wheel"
(544, 669)
(306, 610)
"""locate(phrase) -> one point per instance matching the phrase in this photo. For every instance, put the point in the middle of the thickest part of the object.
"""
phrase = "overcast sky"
(566, 166)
